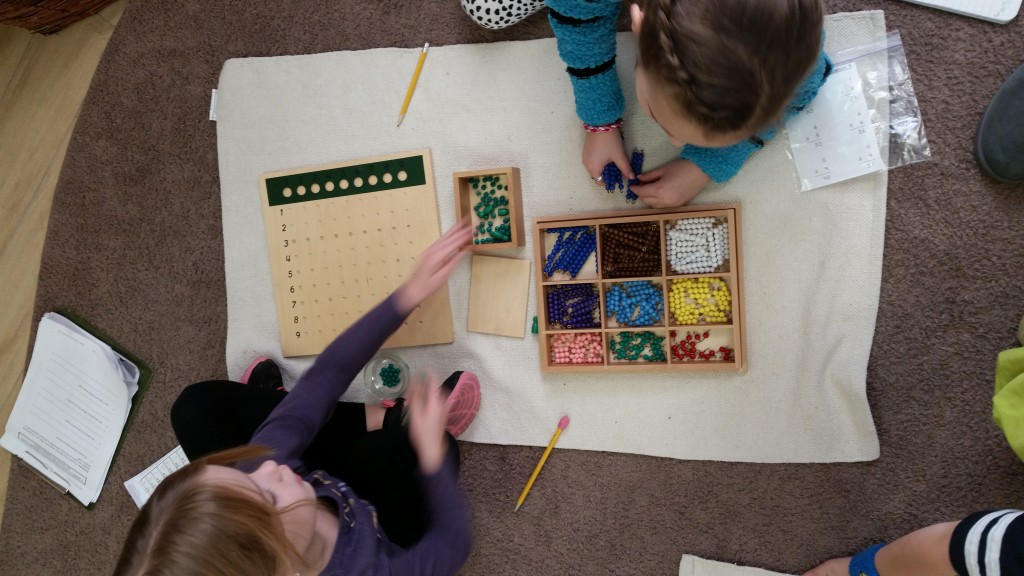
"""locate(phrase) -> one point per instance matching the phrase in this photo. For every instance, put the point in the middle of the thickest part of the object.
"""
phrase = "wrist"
(405, 299)
(432, 460)
(604, 128)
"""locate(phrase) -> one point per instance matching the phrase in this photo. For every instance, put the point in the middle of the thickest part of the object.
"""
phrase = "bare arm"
(924, 552)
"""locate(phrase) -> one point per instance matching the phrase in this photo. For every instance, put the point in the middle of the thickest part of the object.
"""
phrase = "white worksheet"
(142, 485)
(72, 407)
(833, 138)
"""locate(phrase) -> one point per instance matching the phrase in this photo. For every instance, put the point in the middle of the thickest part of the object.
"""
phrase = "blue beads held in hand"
(636, 162)
(612, 176)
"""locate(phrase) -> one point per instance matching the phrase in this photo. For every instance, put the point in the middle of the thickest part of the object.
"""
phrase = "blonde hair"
(191, 526)
(731, 65)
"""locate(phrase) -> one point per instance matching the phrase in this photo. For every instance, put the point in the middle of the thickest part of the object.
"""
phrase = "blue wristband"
(863, 564)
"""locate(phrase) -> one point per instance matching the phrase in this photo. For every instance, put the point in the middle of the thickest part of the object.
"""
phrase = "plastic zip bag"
(864, 119)
(907, 141)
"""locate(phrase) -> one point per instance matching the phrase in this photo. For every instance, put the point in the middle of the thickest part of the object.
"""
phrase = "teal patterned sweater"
(585, 34)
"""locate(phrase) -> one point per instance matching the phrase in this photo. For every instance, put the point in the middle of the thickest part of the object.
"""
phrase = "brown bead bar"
(631, 250)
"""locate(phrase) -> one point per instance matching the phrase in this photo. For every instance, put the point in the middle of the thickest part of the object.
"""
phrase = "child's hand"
(834, 567)
(600, 148)
(672, 184)
(428, 418)
(433, 267)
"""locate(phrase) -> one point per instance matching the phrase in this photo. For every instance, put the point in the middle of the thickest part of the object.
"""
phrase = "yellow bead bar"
(704, 300)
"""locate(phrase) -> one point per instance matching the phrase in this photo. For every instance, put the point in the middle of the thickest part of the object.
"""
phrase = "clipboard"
(145, 377)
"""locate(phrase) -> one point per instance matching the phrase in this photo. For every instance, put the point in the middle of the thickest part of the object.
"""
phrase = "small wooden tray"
(466, 197)
(730, 333)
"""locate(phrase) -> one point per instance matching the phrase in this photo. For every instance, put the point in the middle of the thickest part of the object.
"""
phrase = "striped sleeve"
(585, 34)
(721, 164)
(989, 544)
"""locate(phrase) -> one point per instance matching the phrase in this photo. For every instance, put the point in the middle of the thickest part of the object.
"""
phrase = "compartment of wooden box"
(711, 221)
(581, 302)
(558, 272)
(719, 315)
(628, 315)
(575, 349)
(637, 347)
(709, 296)
(710, 348)
(471, 190)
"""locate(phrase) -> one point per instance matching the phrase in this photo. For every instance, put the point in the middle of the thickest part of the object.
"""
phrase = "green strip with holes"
(283, 190)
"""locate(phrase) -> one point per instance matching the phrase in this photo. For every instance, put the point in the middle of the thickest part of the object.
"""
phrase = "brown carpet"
(135, 245)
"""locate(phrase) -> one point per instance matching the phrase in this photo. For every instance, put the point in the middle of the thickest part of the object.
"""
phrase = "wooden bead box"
(476, 195)
(668, 287)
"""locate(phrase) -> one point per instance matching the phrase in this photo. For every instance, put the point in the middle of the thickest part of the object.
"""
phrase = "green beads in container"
(491, 210)
(390, 375)
(386, 376)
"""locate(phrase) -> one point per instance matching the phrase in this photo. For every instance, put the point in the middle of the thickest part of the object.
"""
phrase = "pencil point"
(517, 507)
(400, 118)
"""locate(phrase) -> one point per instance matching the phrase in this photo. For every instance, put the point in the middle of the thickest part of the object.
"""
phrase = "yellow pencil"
(561, 426)
(412, 84)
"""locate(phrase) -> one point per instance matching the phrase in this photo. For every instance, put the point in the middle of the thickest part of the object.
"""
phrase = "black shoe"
(1000, 143)
(264, 374)
(394, 416)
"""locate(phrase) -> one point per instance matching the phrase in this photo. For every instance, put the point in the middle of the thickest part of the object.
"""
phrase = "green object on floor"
(1008, 401)
(534, 329)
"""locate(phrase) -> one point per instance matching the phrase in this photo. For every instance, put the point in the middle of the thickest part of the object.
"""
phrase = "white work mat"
(694, 566)
(812, 260)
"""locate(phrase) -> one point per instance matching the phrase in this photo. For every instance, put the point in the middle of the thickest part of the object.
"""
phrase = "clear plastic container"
(380, 377)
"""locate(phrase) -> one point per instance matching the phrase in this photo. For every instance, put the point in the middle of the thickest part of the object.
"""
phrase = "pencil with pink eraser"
(561, 426)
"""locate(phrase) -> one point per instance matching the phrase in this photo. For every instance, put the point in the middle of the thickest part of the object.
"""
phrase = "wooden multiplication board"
(341, 238)
(730, 333)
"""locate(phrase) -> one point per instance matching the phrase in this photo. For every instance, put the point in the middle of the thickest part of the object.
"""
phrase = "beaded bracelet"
(606, 128)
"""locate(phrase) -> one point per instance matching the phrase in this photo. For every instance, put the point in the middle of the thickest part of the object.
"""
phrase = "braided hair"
(731, 65)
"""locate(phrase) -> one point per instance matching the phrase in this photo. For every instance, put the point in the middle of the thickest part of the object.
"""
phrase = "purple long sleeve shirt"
(362, 547)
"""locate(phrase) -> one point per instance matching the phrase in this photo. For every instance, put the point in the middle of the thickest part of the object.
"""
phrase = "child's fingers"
(448, 255)
(448, 245)
(459, 227)
(652, 175)
(453, 237)
(446, 268)
(414, 393)
(648, 194)
(459, 235)
(435, 404)
(624, 166)
(426, 401)
(596, 171)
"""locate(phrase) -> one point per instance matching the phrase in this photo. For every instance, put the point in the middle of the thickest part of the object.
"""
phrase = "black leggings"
(381, 466)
